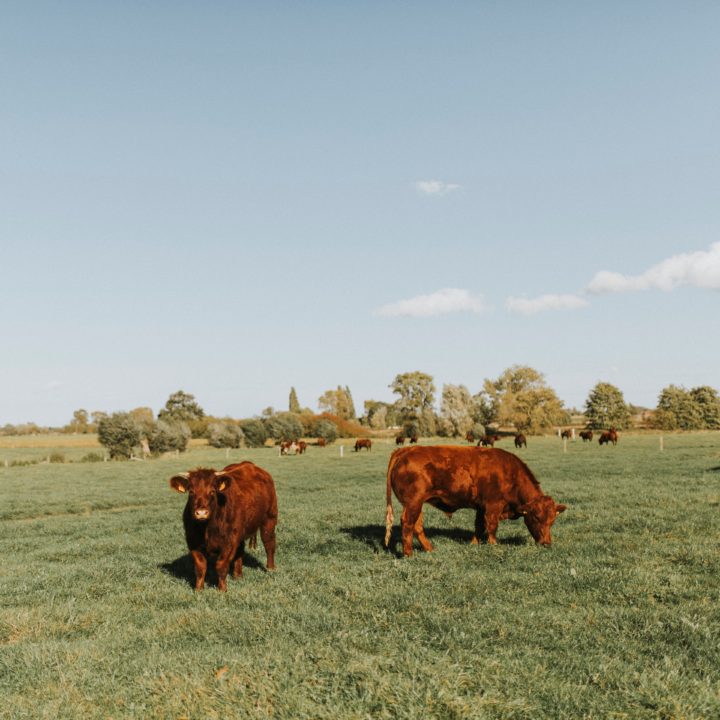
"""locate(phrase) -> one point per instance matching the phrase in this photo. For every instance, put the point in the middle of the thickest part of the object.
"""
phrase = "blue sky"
(233, 198)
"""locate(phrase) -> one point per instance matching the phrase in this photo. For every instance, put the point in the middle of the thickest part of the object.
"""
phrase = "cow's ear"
(560, 508)
(180, 482)
(222, 480)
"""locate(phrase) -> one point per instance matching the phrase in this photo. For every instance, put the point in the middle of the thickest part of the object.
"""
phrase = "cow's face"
(539, 516)
(203, 487)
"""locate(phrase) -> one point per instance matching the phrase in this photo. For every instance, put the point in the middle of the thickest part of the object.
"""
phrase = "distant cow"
(520, 440)
(470, 436)
(604, 439)
(488, 440)
(321, 442)
(566, 434)
(223, 510)
(413, 440)
(613, 435)
(400, 440)
(586, 435)
(496, 483)
(301, 447)
(363, 443)
(288, 447)
(610, 436)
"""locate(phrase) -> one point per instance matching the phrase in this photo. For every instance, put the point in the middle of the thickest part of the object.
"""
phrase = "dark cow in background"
(470, 436)
(400, 440)
(288, 447)
(609, 436)
(604, 439)
(321, 442)
(222, 511)
(363, 443)
(413, 439)
(488, 440)
(566, 434)
(613, 435)
(520, 440)
(495, 483)
(301, 447)
(586, 435)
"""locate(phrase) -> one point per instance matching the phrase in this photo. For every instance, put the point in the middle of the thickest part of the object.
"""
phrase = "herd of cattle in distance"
(226, 508)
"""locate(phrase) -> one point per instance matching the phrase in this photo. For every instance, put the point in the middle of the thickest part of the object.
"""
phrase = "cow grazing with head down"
(520, 440)
(363, 443)
(495, 483)
(488, 440)
(223, 510)
(470, 436)
(321, 442)
(301, 447)
(566, 434)
(586, 435)
(413, 439)
(399, 439)
(610, 436)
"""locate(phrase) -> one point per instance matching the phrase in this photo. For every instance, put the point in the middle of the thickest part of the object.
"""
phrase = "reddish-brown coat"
(222, 511)
(363, 443)
(520, 440)
(496, 483)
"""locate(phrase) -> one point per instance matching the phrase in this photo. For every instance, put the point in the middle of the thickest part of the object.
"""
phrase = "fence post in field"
(564, 444)
(227, 453)
(342, 448)
(662, 444)
(6, 463)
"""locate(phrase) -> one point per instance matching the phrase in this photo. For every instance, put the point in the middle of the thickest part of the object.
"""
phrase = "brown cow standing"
(496, 483)
(613, 435)
(223, 510)
(520, 440)
(321, 442)
(610, 436)
(301, 447)
(363, 443)
(604, 439)
(488, 440)
(586, 435)
(470, 436)
(413, 440)
(400, 440)
(566, 434)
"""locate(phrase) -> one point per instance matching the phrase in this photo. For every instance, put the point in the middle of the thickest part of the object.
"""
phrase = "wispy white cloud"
(699, 269)
(435, 187)
(442, 302)
(531, 306)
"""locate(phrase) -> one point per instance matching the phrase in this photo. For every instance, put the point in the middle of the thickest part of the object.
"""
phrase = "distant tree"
(377, 418)
(456, 410)
(338, 402)
(144, 417)
(415, 404)
(294, 405)
(225, 435)
(521, 397)
(708, 403)
(327, 430)
(164, 436)
(254, 432)
(605, 407)
(181, 406)
(677, 409)
(120, 434)
(79, 422)
(97, 416)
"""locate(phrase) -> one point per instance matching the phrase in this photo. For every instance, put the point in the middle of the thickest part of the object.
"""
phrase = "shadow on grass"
(715, 469)
(182, 568)
(374, 537)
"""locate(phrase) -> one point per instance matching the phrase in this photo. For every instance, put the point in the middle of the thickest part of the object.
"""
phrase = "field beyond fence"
(619, 618)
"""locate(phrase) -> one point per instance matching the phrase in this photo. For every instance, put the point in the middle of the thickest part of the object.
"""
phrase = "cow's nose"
(202, 514)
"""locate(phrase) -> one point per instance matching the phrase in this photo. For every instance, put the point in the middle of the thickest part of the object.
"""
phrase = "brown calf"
(363, 443)
(520, 440)
(586, 435)
(400, 440)
(223, 510)
(496, 483)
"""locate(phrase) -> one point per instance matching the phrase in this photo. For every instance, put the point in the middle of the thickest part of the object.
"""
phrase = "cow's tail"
(389, 516)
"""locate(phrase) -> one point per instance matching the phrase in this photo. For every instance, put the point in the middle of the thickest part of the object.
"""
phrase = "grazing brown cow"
(520, 440)
(470, 436)
(363, 443)
(613, 435)
(223, 510)
(400, 440)
(610, 436)
(413, 440)
(321, 442)
(586, 435)
(301, 447)
(288, 447)
(488, 440)
(604, 439)
(565, 434)
(496, 483)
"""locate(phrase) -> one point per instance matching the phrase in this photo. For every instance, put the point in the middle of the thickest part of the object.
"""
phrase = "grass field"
(620, 618)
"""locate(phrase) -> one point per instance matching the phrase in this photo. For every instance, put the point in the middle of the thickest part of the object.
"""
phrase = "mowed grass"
(620, 618)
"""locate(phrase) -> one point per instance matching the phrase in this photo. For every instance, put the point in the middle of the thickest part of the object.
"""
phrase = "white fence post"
(662, 445)
(564, 444)
(342, 449)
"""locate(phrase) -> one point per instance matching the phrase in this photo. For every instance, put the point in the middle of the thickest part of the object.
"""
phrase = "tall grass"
(618, 619)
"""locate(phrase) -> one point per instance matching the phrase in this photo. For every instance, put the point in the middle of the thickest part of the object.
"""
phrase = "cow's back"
(252, 493)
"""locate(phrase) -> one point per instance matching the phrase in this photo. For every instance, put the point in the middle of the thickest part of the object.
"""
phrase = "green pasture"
(619, 619)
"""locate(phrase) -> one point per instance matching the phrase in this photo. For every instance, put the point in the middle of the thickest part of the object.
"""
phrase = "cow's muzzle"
(202, 514)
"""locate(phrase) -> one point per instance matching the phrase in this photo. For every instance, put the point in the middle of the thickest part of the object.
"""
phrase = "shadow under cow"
(374, 536)
(183, 568)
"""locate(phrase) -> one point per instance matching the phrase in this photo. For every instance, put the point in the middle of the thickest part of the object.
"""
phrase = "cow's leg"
(492, 519)
(410, 515)
(267, 535)
(200, 562)
(252, 542)
(420, 532)
(480, 531)
(238, 563)
(222, 566)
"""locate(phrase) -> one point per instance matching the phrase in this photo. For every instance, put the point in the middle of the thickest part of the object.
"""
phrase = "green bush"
(57, 457)
(166, 436)
(120, 434)
(92, 457)
(254, 432)
(284, 426)
(225, 435)
(327, 430)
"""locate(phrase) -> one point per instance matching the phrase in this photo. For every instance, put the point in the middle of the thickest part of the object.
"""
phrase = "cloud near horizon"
(442, 302)
(700, 269)
(435, 187)
(531, 306)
